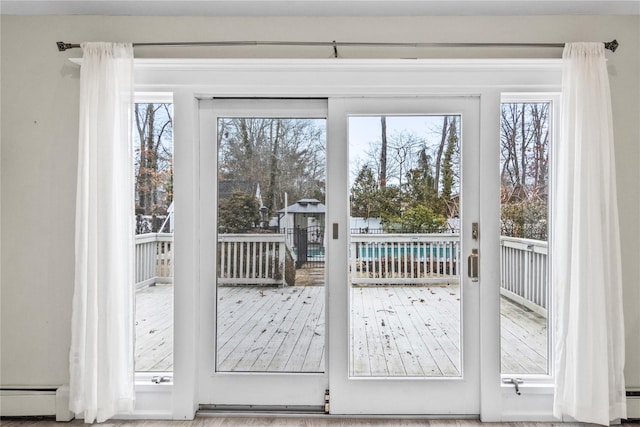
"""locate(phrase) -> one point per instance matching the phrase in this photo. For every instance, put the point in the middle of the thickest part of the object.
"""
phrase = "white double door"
(383, 315)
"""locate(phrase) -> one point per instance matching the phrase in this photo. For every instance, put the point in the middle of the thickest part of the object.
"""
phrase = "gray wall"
(39, 141)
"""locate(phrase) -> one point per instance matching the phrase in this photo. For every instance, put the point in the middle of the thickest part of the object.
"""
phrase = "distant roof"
(309, 206)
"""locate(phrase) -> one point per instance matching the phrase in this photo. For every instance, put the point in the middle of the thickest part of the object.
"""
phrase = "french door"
(337, 271)
(404, 325)
(263, 322)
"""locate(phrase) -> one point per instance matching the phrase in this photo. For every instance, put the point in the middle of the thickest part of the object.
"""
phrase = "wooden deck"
(397, 331)
(154, 328)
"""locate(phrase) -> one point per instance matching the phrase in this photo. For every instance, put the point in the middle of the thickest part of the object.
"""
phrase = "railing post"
(282, 261)
(153, 259)
(353, 257)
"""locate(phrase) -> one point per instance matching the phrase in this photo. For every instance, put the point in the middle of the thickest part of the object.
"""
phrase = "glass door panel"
(154, 255)
(525, 138)
(270, 263)
(262, 224)
(404, 317)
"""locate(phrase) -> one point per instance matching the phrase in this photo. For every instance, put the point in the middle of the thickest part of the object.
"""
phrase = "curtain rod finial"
(62, 46)
(612, 45)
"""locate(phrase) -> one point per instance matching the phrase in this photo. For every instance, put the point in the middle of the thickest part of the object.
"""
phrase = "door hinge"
(515, 382)
(326, 401)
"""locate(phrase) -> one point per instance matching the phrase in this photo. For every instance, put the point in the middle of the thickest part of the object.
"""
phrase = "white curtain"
(586, 246)
(101, 357)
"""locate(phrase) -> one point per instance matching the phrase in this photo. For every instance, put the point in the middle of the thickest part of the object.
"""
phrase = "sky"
(363, 130)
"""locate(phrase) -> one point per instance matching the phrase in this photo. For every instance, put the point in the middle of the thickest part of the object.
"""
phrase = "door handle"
(473, 265)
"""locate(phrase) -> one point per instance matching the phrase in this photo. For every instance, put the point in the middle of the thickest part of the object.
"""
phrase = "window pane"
(153, 143)
(524, 163)
(271, 245)
(404, 253)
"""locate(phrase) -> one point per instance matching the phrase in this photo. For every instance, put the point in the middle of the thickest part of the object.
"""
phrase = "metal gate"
(308, 245)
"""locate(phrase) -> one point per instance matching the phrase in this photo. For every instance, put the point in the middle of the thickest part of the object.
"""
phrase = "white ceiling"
(319, 7)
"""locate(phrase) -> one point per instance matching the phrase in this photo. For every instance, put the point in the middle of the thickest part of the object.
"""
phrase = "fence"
(154, 259)
(524, 272)
(404, 258)
(375, 259)
(254, 259)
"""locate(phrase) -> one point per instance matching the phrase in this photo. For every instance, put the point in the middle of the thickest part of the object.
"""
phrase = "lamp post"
(263, 216)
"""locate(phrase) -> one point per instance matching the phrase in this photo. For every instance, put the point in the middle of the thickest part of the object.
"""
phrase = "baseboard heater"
(29, 401)
(633, 404)
(32, 401)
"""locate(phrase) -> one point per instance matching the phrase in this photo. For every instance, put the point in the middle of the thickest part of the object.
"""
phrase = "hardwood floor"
(285, 421)
(397, 331)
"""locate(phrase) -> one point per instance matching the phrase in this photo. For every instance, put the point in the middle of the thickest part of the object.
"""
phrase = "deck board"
(397, 331)
(154, 328)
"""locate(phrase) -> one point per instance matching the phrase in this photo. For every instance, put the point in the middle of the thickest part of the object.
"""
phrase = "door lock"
(473, 265)
(475, 231)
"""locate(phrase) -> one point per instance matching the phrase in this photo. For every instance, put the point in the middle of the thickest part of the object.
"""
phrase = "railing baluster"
(383, 258)
(269, 263)
(253, 273)
(260, 258)
(354, 258)
(415, 259)
(368, 257)
(229, 272)
(282, 262)
(392, 259)
(221, 257)
(524, 269)
(274, 261)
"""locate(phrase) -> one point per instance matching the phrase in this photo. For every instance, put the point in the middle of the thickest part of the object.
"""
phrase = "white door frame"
(194, 79)
(229, 389)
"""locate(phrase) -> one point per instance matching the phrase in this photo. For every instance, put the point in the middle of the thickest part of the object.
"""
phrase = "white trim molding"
(191, 80)
(344, 77)
(262, 8)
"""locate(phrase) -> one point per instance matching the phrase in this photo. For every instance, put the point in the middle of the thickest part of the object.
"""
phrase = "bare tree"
(443, 141)
(524, 169)
(539, 116)
(154, 162)
(404, 147)
(383, 153)
(281, 155)
(524, 146)
(274, 136)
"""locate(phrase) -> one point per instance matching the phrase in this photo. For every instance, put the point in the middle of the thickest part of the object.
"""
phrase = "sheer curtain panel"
(101, 356)
(586, 246)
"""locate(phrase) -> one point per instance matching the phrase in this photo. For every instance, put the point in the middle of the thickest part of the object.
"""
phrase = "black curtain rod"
(612, 45)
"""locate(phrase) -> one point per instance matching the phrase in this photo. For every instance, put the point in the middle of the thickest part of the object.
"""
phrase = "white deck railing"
(242, 258)
(379, 259)
(404, 258)
(252, 259)
(154, 259)
(524, 272)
